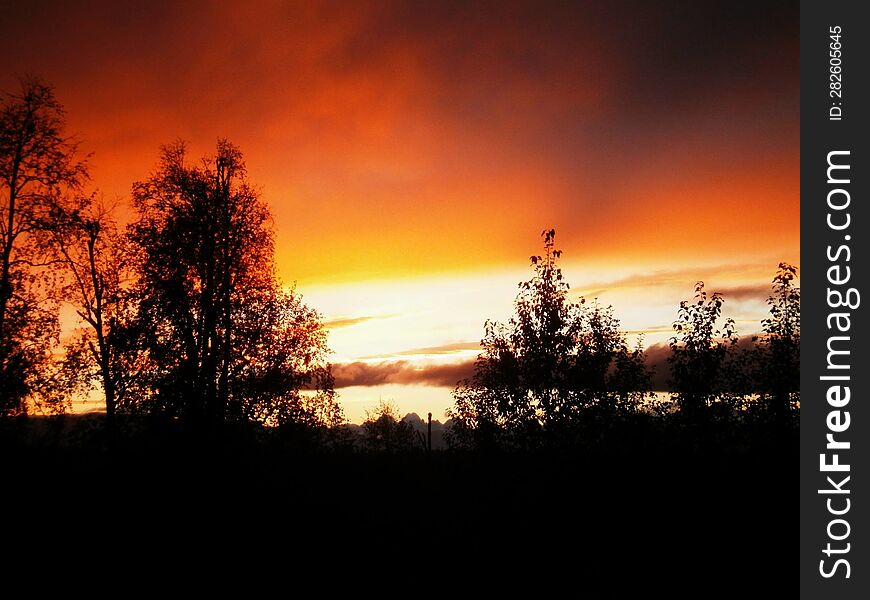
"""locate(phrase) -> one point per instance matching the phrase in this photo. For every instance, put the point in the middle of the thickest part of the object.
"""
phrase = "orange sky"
(432, 142)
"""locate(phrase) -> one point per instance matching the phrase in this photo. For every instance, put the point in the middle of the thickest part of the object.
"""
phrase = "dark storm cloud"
(400, 372)
(657, 357)
(746, 292)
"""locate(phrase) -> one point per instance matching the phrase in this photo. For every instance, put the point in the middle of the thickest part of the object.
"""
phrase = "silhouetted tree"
(777, 352)
(555, 362)
(96, 260)
(224, 342)
(38, 165)
(385, 431)
(281, 377)
(609, 379)
(699, 351)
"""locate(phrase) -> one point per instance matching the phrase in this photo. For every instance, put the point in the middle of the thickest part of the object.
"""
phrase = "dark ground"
(693, 514)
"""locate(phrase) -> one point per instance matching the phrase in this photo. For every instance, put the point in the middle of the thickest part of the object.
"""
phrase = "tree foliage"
(96, 258)
(699, 350)
(777, 351)
(385, 431)
(224, 341)
(555, 364)
(38, 167)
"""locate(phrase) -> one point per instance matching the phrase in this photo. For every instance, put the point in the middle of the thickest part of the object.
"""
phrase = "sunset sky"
(412, 152)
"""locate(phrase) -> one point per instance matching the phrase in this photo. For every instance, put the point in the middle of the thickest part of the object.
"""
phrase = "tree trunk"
(8, 243)
(226, 296)
(5, 272)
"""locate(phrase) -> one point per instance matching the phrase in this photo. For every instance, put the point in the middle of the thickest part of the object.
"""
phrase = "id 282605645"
(835, 77)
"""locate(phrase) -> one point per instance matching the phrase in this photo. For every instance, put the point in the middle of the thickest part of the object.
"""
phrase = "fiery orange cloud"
(400, 138)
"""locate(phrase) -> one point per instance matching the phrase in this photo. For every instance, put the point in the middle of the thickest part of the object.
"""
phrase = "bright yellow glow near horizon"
(425, 324)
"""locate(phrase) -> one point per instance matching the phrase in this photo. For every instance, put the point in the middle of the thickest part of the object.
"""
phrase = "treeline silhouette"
(562, 372)
(221, 422)
(184, 317)
(183, 313)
